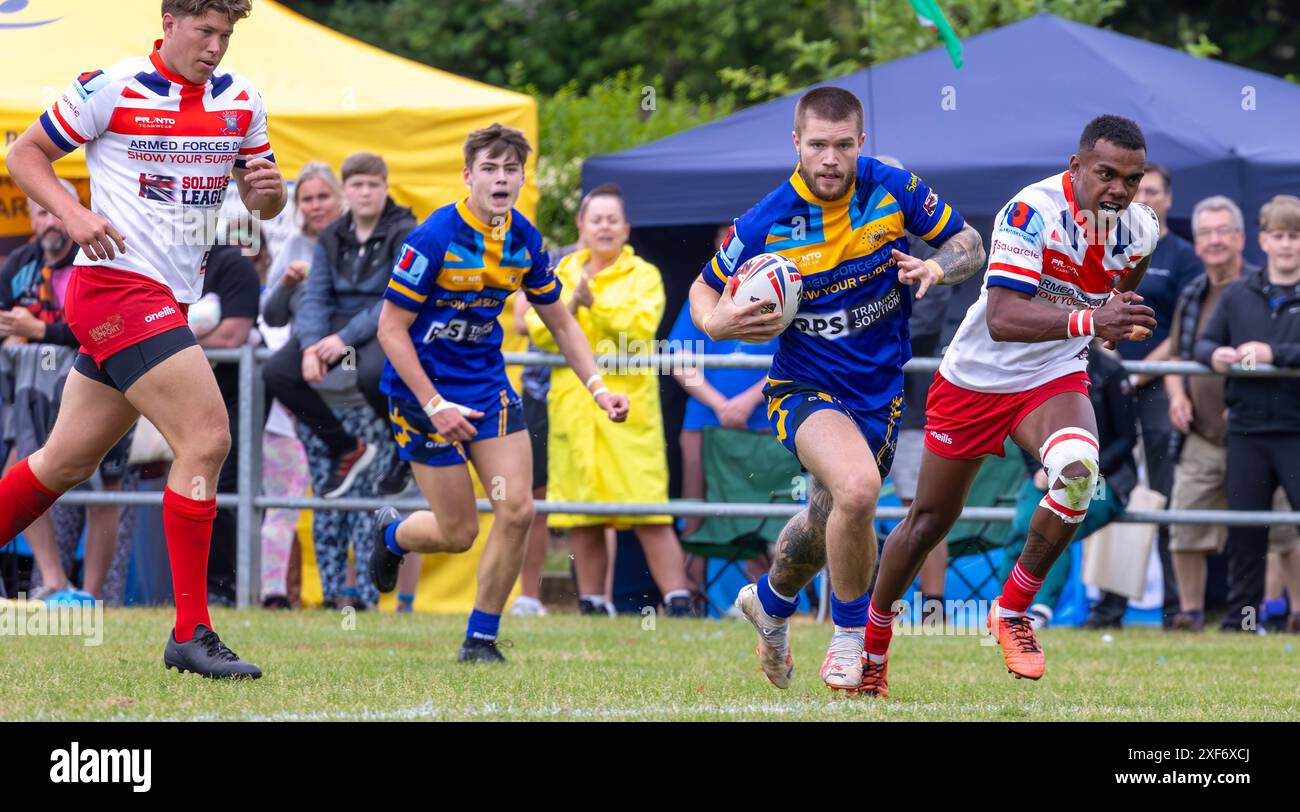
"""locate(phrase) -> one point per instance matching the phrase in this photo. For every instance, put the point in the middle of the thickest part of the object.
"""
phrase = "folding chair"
(741, 466)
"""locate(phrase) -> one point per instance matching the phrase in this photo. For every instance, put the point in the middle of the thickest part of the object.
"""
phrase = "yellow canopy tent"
(327, 96)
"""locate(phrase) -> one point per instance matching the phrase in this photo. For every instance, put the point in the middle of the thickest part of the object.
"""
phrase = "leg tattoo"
(801, 547)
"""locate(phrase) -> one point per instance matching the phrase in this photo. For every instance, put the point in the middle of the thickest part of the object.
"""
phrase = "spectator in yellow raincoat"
(618, 299)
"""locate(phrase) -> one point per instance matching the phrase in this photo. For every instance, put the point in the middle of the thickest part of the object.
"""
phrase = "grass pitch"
(333, 666)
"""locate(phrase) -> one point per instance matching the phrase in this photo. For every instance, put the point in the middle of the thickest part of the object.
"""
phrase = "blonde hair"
(316, 170)
(1282, 213)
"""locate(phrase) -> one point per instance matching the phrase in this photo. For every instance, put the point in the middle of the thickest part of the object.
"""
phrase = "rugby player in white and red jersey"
(163, 134)
(1067, 253)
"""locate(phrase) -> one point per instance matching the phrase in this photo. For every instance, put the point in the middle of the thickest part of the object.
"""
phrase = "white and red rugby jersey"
(1041, 247)
(160, 151)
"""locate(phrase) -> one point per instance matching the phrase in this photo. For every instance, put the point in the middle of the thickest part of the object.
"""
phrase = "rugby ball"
(769, 278)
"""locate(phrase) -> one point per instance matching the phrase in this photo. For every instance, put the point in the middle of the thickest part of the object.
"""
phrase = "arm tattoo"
(961, 256)
(801, 547)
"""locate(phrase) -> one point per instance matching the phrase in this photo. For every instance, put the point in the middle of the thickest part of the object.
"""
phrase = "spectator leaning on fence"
(318, 201)
(1196, 411)
(617, 299)
(32, 285)
(338, 317)
(1257, 321)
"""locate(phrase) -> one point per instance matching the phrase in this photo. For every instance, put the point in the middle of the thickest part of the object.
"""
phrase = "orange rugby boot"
(1019, 646)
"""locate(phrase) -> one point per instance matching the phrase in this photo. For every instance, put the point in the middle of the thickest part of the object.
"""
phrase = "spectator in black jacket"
(339, 315)
(1116, 410)
(1258, 322)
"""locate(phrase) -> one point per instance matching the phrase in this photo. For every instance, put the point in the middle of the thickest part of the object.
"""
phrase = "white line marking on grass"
(729, 710)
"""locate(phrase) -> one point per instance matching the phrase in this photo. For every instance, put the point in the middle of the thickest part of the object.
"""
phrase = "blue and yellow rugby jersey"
(850, 337)
(456, 272)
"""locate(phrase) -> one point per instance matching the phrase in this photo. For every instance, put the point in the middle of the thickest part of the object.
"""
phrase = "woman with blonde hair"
(618, 300)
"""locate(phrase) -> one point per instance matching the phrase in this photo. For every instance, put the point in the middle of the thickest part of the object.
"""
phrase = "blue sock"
(1275, 607)
(1197, 614)
(390, 538)
(403, 597)
(852, 614)
(482, 626)
(774, 604)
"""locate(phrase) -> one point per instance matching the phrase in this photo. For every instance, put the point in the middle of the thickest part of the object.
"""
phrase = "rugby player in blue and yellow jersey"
(835, 388)
(449, 400)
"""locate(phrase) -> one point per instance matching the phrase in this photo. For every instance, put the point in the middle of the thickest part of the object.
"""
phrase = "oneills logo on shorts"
(165, 312)
(107, 330)
(943, 438)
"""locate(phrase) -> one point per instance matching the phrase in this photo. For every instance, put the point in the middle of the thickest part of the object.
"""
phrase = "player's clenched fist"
(264, 177)
(615, 405)
(1118, 319)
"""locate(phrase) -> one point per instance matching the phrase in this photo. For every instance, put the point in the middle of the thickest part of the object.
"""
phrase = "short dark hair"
(1156, 169)
(363, 163)
(496, 140)
(1120, 131)
(603, 190)
(234, 10)
(830, 103)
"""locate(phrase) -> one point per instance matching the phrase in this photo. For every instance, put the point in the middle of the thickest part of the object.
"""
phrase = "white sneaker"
(525, 606)
(842, 670)
(773, 637)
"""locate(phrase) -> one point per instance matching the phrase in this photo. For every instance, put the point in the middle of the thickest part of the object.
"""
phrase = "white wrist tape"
(440, 404)
(594, 378)
(601, 391)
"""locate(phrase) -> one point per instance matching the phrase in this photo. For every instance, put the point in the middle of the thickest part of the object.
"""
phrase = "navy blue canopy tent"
(1011, 116)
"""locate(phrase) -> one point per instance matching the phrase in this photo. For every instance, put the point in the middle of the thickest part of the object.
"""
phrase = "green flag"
(931, 16)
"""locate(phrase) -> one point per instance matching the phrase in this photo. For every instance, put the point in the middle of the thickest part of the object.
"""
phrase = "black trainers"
(205, 654)
(344, 469)
(681, 606)
(474, 650)
(397, 480)
(384, 563)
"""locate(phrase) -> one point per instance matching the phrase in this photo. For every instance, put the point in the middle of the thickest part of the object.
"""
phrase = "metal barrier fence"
(248, 504)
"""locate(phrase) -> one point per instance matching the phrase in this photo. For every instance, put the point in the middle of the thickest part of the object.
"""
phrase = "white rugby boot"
(773, 637)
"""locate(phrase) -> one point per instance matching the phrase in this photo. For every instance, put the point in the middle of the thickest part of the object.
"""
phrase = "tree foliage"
(586, 60)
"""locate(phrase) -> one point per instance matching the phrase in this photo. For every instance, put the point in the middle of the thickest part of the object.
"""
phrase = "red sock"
(187, 523)
(880, 630)
(22, 499)
(1019, 590)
